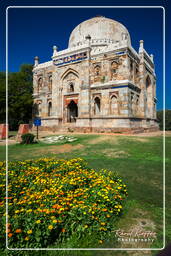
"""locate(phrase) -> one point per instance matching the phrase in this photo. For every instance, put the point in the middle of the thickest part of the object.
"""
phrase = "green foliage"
(19, 96)
(27, 138)
(167, 119)
(2, 97)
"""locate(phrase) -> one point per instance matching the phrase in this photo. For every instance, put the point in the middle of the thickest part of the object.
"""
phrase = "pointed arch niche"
(97, 105)
(39, 84)
(114, 105)
(70, 81)
(49, 108)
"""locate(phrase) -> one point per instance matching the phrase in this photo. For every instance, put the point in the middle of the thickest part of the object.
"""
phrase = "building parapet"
(43, 65)
(148, 59)
(132, 52)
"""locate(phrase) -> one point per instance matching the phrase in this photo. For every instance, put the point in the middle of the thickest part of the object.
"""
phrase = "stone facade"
(99, 83)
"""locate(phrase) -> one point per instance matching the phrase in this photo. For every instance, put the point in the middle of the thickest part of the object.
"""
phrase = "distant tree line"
(20, 101)
(167, 119)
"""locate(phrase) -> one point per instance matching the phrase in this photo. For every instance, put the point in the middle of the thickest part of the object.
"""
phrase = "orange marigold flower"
(56, 206)
(63, 230)
(104, 210)
(10, 235)
(18, 230)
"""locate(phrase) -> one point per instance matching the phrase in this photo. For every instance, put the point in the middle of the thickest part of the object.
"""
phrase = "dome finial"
(152, 57)
(36, 61)
(55, 48)
(141, 47)
(99, 16)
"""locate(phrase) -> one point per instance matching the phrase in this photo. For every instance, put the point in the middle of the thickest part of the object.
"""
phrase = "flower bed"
(50, 199)
(58, 138)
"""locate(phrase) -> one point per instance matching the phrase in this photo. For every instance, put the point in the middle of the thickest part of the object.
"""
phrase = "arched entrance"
(97, 106)
(72, 112)
(50, 108)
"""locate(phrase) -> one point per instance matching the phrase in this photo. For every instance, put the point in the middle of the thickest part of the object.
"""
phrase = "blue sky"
(34, 31)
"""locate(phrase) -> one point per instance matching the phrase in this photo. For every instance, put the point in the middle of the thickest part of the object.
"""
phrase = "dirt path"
(149, 134)
(57, 149)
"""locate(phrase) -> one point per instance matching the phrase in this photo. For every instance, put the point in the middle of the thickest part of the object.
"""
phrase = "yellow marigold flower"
(50, 227)
(100, 241)
(38, 221)
(30, 210)
(102, 228)
(26, 238)
(86, 226)
(29, 231)
(17, 211)
(103, 224)
(54, 221)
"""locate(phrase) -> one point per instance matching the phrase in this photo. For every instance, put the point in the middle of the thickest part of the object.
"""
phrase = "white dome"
(101, 30)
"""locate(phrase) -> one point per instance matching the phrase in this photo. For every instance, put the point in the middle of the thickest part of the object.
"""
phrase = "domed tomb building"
(99, 83)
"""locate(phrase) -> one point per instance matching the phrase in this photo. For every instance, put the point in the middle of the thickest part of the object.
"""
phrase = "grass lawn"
(139, 160)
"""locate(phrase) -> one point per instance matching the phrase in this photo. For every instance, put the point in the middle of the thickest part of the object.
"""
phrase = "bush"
(167, 119)
(27, 138)
(51, 199)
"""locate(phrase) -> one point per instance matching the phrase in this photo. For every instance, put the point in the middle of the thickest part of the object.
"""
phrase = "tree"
(20, 99)
(2, 97)
(167, 119)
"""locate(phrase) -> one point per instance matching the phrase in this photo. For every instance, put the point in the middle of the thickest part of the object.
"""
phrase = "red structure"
(3, 131)
(23, 128)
